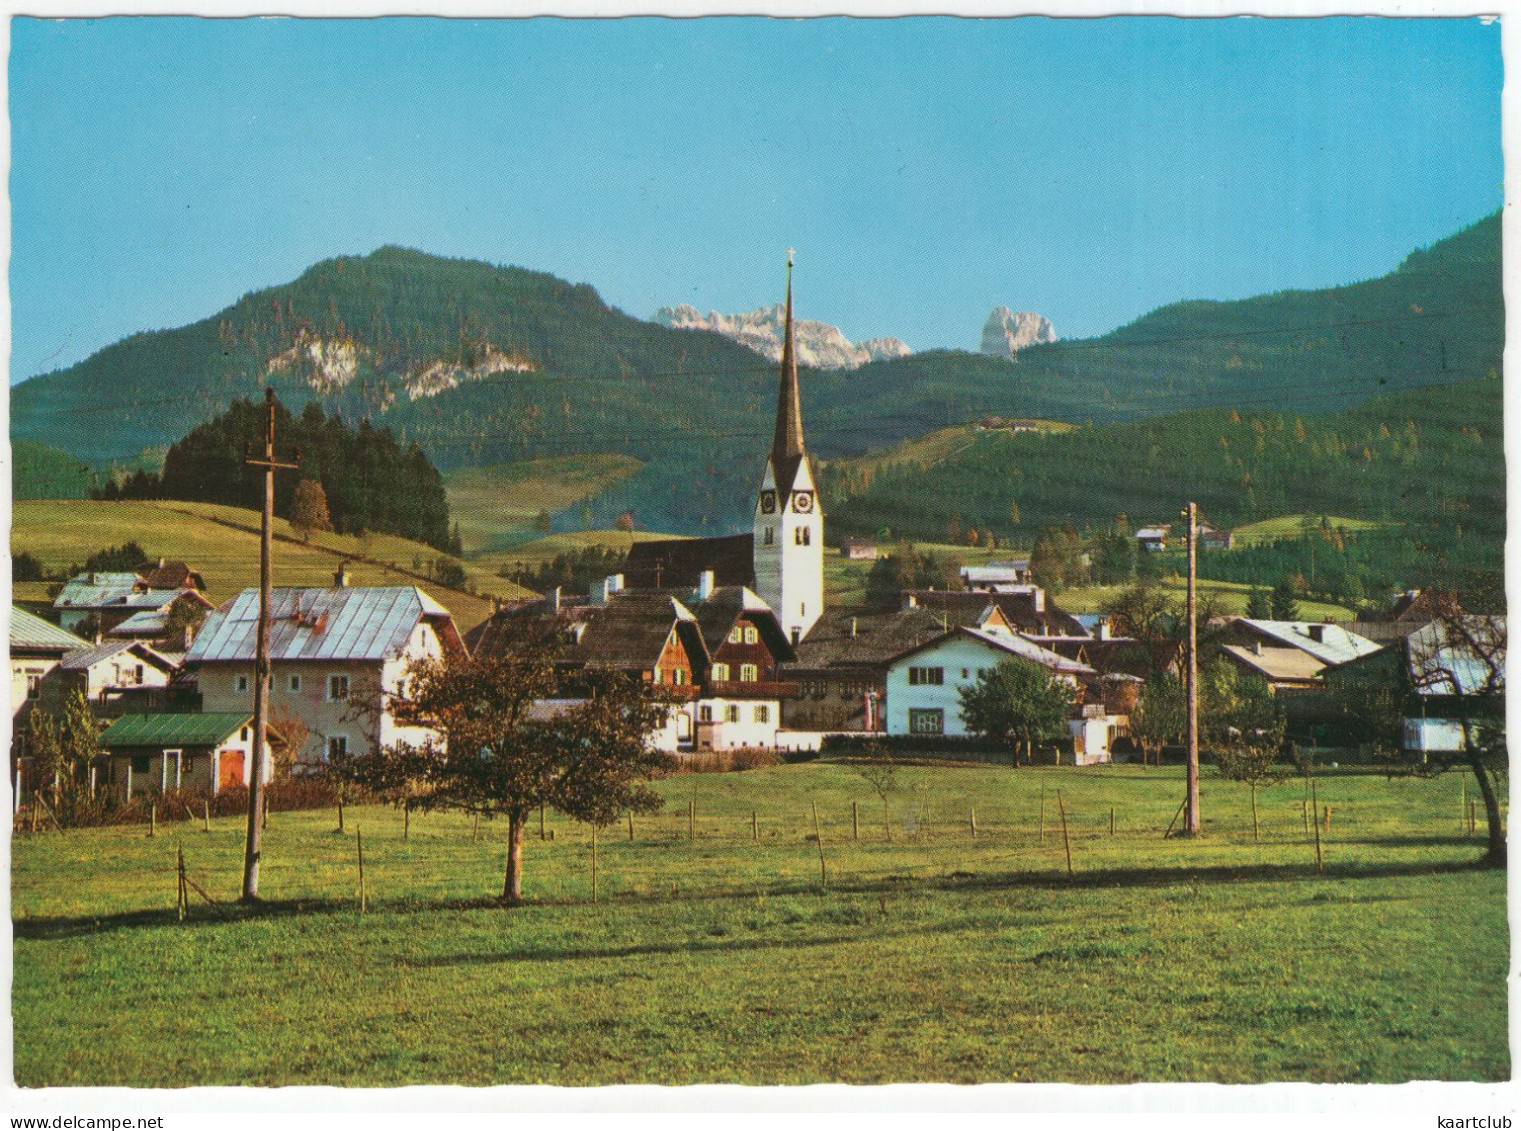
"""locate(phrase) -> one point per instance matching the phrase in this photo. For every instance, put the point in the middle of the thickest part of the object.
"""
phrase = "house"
(1213, 537)
(924, 683)
(997, 577)
(1291, 655)
(714, 651)
(113, 677)
(37, 647)
(173, 575)
(841, 667)
(337, 655)
(743, 689)
(153, 623)
(1025, 609)
(858, 550)
(147, 754)
(1444, 676)
(1153, 538)
(101, 602)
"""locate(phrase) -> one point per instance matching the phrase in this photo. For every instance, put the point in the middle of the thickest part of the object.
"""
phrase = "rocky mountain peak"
(819, 344)
(1006, 332)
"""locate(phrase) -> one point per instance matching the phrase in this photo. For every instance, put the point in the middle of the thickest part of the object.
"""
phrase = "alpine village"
(810, 683)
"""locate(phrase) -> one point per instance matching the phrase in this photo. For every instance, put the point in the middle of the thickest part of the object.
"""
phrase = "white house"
(924, 684)
(336, 655)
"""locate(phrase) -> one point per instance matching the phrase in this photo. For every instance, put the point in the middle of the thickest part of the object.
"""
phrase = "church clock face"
(802, 501)
(768, 502)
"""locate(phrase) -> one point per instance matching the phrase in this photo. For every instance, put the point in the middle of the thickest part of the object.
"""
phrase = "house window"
(769, 537)
(293, 682)
(138, 675)
(656, 673)
(736, 634)
(337, 688)
(140, 763)
(802, 536)
(337, 746)
(240, 683)
(244, 734)
(763, 713)
(731, 713)
(965, 673)
(187, 763)
(748, 673)
(751, 635)
(720, 672)
(33, 684)
(926, 721)
(921, 677)
(705, 714)
(678, 676)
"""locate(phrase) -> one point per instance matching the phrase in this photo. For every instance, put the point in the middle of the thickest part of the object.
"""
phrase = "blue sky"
(925, 169)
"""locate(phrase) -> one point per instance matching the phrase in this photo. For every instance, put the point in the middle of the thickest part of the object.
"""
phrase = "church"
(782, 559)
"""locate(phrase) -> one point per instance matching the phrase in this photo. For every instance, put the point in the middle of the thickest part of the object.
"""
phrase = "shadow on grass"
(74, 926)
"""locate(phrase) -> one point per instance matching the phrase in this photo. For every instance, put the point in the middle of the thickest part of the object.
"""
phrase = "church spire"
(787, 445)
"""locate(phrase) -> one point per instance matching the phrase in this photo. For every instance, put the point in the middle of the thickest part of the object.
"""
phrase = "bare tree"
(881, 773)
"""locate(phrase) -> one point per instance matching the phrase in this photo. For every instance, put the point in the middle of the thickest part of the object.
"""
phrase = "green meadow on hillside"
(715, 954)
(223, 542)
(495, 507)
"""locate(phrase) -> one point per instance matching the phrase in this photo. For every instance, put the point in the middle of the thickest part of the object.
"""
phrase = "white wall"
(720, 734)
(1438, 736)
(352, 718)
(962, 658)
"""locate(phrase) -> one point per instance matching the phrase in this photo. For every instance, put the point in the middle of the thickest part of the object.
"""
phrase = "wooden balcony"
(751, 689)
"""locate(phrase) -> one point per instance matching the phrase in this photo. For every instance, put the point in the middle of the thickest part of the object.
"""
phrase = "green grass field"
(495, 506)
(1292, 526)
(1231, 596)
(935, 957)
(223, 542)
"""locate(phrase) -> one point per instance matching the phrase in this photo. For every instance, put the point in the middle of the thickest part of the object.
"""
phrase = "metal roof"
(33, 633)
(1335, 646)
(88, 656)
(174, 730)
(1464, 659)
(1005, 642)
(95, 590)
(369, 623)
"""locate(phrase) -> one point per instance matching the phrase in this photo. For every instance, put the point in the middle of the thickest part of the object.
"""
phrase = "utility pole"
(261, 661)
(1191, 815)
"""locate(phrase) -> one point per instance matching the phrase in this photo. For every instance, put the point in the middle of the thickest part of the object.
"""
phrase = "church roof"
(678, 563)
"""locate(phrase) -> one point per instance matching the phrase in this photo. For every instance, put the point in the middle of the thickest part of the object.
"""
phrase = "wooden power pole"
(1191, 815)
(261, 661)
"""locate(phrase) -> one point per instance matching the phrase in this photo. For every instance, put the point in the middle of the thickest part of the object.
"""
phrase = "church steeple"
(787, 444)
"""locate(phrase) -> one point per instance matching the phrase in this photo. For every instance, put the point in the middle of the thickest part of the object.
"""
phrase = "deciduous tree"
(1017, 702)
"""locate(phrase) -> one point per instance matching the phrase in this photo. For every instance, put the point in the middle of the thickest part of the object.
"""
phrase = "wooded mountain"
(482, 364)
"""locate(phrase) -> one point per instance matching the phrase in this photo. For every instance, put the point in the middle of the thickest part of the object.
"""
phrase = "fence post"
(974, 822)
(359, 846)
(819, 838)
(692, 819)
(855, 822)
(1111, 820)
(1066, 843)
(754, 828)
(406, 818)
(1319, 861)
(631, 826)
(205, 816)
(1043, 813)
(153, 818)
(594, 861)
(475, 827)
(181, 898)
(340, 812)
(541, 822)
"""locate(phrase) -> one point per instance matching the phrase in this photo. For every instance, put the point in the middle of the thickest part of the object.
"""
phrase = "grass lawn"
(223, 542)
(1232, 597)
(933, 957)
(496, 505)
(1292, 526)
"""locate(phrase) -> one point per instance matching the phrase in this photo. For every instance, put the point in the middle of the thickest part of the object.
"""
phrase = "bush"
(727, 761)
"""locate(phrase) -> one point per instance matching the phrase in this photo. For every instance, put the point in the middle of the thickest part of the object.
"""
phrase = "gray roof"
(1007, 642)
(90, 655)
(1336, 645)
(32, 633)
(369, 623)
(95, 590)
(1464, 657)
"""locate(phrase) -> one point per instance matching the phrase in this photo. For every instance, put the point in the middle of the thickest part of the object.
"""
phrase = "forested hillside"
(369, 481)
(41, 472)
(1427, 463)
(483, 365)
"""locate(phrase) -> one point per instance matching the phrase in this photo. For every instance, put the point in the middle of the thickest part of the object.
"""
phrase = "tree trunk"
(1495, 857)
(1255, 835)
(512, 882)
